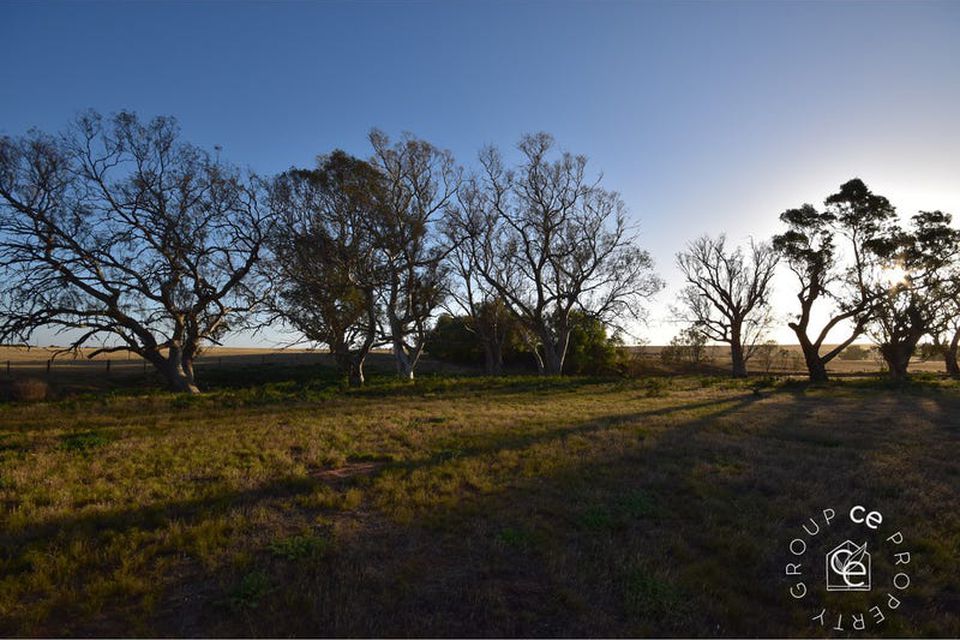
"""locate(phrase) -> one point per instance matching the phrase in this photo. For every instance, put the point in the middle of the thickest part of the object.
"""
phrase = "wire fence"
(66, 367)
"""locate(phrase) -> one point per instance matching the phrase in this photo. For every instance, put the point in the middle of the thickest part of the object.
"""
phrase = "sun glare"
(894, 275)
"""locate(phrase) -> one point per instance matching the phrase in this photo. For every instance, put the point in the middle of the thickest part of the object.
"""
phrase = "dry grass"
(462, 507)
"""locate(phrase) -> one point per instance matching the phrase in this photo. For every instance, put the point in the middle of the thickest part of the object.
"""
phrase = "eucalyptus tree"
(946, 332)
(831, 253)
(548, 242)
(727, 294)
(914, 287)
(945, 328)
(470, 294)
(118, 234)
(324, 261)
(420, 182)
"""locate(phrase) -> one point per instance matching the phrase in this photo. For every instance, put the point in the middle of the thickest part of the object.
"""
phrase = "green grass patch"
(299, 547)
(84, 441)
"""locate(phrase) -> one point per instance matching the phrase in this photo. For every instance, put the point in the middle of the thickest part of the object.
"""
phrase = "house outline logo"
(848, 567)
(839, 608)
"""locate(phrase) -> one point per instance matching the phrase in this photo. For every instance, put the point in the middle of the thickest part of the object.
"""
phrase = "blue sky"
(707, 117)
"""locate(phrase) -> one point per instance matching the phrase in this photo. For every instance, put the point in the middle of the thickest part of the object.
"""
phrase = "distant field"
(788, 359)
(69, 373)
(464, 507)
(78, 372)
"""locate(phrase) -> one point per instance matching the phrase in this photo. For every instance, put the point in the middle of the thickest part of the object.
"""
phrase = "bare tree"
(324, 261)
(470, 293)
(726, 296)
(548, 242)
(420, 182)
(861, 220)
(117, 233)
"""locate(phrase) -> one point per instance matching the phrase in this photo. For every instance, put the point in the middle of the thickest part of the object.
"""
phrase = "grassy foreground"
(463, 507)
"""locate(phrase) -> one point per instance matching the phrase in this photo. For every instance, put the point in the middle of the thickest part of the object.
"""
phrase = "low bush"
(855, 352)
(25, 390)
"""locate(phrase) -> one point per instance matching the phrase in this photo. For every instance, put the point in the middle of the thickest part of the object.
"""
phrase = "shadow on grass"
(677, 534)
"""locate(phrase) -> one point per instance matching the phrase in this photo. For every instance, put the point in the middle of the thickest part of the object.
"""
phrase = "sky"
(706, 117)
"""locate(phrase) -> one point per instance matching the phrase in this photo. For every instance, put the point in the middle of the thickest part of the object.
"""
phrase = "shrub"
(929, 351)
(299, 547)
(248, 593)
(590, 351)
(452, 341)
(83, 441)
(687, 347)
(26, 390)
(855, 352)
(765, 355)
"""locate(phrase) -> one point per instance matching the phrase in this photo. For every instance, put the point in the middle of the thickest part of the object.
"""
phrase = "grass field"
(463, 506)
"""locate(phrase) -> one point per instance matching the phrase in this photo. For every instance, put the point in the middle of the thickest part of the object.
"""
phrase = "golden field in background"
(785, 359)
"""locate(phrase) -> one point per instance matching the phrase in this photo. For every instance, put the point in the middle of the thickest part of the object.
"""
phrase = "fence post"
(108, 366)
(49, 362)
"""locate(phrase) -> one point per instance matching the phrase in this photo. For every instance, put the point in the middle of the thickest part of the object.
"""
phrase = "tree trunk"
(539, 360)
(175, 369)
(739, 364)
(897, 357)
(492, 357)
(816, 367)
(177, 379)
(950, 360)
(350, 364)
(355, 376)
(950, 356)
(187, 363)
(552, 359)
(817, 370)
(528, 337)
(404, 364)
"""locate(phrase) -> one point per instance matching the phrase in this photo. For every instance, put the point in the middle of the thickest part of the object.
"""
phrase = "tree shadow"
(678, 532)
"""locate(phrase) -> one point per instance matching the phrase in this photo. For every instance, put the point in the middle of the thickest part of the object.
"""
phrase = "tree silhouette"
(862, 221)
(910, 308)
(118, 234)
(727, 294)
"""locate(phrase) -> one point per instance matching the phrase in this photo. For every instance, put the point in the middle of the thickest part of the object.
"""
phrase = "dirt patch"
(352, 470)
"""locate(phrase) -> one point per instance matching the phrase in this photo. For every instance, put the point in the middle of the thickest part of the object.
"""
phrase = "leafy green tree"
(323, 258)
(452, 340)
(590, 351)
(420, 182)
